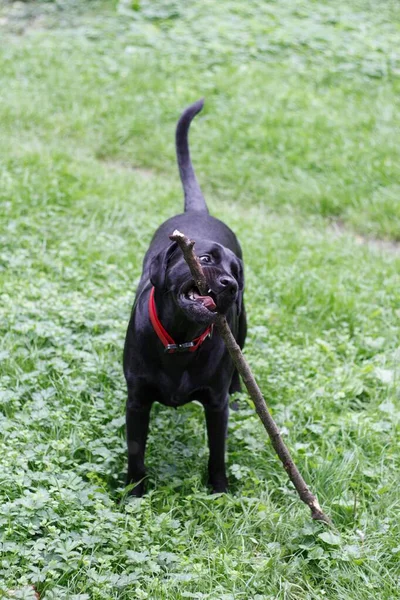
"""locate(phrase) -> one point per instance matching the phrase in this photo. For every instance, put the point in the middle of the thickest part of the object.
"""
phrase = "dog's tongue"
(207, 301)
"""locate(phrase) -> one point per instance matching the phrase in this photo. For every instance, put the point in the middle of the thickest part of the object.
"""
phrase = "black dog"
(171, 353)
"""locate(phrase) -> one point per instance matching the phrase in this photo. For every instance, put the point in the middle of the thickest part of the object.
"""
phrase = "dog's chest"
(179, 389)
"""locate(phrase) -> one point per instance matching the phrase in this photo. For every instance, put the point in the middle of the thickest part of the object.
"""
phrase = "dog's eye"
(205, 258)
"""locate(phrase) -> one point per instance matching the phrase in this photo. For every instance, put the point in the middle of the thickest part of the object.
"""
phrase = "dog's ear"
(238, 274)
(159, 264)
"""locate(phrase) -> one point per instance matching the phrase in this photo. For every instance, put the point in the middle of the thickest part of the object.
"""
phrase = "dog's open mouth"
(206, 301)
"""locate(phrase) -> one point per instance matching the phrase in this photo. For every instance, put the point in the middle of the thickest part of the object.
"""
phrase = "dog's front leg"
(217, 424)
(137, 427)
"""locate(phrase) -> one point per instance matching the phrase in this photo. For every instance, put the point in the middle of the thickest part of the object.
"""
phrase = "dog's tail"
(194, 199)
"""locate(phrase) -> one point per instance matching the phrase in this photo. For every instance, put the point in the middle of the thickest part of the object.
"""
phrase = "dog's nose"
(229, 284)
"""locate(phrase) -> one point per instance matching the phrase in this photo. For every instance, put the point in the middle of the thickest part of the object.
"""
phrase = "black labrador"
(172, 355)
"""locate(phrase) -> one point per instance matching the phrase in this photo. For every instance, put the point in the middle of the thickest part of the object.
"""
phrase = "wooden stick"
(254, 391)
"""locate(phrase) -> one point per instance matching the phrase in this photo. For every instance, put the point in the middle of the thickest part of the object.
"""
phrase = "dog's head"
(223, 271)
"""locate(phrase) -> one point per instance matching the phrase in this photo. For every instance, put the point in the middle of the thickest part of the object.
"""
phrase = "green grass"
(300, 131)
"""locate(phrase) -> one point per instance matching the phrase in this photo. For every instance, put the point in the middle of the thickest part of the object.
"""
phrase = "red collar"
(169, 344)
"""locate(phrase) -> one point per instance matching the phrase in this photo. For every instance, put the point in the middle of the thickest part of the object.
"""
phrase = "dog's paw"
(219, 485)
(136, 490)
(219, 489)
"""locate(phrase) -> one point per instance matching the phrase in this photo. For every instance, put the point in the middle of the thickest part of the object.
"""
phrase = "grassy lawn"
(298, 150)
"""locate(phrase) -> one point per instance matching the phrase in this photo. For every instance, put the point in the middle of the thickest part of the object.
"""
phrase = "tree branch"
(254, 391)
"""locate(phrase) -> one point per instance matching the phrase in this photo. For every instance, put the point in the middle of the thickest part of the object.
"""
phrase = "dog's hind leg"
(137, 427)
(217, 424)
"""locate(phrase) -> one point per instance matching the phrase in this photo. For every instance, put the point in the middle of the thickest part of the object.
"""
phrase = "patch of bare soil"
(121, 165)
(19, 17)
(374, 243)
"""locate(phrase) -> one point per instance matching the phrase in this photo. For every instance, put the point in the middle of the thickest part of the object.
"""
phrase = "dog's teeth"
(192, 294)
(209, 291)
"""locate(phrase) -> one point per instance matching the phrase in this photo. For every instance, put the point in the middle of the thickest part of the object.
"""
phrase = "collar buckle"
(178, 347)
